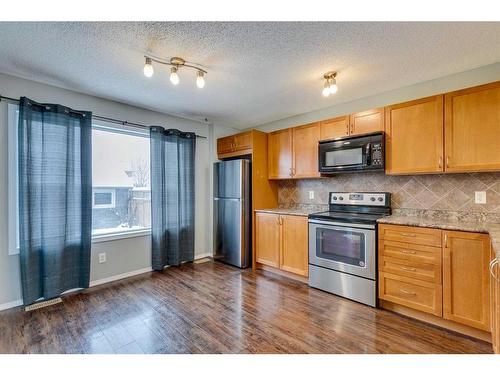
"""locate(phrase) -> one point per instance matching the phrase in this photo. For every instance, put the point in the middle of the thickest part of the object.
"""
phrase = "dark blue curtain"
(55, 199)
(172, 197)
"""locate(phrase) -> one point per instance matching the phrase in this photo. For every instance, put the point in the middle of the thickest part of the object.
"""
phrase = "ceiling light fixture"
(330, 85)
(148, 68)
(174, 77)
(200, 81)
(176, 63)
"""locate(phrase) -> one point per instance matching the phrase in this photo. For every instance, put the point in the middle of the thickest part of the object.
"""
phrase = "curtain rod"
(103, 118)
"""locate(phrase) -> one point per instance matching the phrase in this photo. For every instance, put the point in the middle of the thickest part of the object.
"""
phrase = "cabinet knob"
(440, 162)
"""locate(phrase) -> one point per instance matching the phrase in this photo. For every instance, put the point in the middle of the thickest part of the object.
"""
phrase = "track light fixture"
(330, 85)
(176, 63)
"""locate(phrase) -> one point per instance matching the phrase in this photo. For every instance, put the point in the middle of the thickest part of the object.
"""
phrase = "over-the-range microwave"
(352, 153)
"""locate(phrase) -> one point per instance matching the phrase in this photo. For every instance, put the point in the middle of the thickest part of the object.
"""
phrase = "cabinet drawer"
(415, 235)
(425, 272)
(411, 252)
(416, 294)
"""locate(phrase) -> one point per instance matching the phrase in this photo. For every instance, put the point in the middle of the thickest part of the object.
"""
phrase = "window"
(13, 188)
(121, 195)
(103, 198)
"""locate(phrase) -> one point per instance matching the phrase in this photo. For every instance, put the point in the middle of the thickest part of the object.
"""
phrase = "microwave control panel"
(377, 157)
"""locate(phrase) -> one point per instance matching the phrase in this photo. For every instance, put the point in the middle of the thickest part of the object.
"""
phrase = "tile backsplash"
(443, 192)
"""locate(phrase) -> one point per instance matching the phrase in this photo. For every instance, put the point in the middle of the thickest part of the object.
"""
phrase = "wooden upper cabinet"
(243, 141)
(225, 145)
(466, 294)
(267, 238)
(472, 129)
(367, 121)
(305, 151)
(414, 136)
(294, 250)
(235, 145)
(280, 154)
(334, 128)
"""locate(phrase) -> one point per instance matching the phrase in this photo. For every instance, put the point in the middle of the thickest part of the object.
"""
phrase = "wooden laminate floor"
(214, 308)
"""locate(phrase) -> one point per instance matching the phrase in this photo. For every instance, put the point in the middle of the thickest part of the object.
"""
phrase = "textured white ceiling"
(257, 72)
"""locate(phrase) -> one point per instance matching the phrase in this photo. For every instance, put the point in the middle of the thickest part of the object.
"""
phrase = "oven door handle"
(332, 225)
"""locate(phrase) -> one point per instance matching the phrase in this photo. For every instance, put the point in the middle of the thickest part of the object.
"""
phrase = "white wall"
(485, 74)
(126, 255)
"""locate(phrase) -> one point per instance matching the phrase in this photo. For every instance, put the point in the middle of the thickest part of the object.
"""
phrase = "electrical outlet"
(311, 194)
(480, 197)
(102, 257)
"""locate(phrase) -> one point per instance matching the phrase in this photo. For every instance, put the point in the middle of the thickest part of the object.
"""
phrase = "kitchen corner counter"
(288, 211)
(493, 229)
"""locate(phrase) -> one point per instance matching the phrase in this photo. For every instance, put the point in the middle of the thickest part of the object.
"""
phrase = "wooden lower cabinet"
(294, 249)
(466, 280)
(282, 242)
(267, 239)
(439, 272)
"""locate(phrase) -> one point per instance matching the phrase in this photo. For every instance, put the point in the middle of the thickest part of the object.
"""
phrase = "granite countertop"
(493, 229)
(289, 211)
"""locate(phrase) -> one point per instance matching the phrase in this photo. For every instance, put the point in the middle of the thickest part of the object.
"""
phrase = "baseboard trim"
(120, 276)
(11, 304)
(203, 255)
(436, 321)
(277, 271)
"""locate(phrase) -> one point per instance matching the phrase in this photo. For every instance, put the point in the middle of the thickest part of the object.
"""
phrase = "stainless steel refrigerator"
(232, 213)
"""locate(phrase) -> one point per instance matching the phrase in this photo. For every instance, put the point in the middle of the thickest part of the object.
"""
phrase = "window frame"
(127, 130)
(104, 190)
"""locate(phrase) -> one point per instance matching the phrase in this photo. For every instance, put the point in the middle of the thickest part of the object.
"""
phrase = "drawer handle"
(404, 291)
(408, 252)
(493, 263)
(408, 234)
(408, 269)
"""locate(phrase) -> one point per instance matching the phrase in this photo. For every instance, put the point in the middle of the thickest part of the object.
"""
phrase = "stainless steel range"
(343, 245)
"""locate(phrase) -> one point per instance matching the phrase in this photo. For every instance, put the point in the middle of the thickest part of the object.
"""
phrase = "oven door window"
(338, 158)
(342, 246)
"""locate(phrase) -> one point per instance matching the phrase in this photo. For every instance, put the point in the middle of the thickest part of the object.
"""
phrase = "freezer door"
(230, 178)
(229, 236)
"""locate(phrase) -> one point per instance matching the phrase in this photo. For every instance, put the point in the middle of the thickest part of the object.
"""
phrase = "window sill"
(120, 235)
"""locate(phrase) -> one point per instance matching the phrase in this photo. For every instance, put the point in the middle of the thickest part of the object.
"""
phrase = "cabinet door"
(305, 151)
(367, 121)
(267, 239)
(243, 141)
(472, 129)
(466, 281)
(294, 250)
(225, 144)
(334, 128)
(414, 136)
(280, 154)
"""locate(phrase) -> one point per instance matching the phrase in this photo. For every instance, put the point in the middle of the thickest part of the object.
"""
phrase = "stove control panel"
(362, 199)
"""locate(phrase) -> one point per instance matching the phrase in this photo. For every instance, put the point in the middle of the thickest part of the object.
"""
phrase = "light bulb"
(174, 77)
(200, 81)
(148, 68)
(326, 89)
(333, 86)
